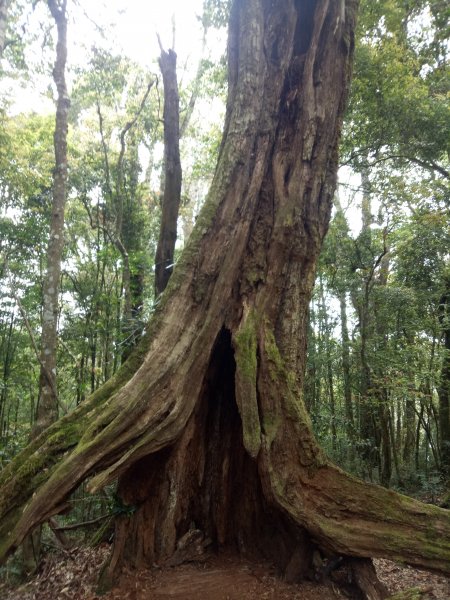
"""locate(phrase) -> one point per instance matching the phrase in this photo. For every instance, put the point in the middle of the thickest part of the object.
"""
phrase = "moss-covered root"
(342, 513)
(411, 594)
(245, 354)
(39, 461)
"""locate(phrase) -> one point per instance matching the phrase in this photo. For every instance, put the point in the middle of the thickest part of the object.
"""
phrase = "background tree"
(47, 409)
(402, 173)
(26, 192)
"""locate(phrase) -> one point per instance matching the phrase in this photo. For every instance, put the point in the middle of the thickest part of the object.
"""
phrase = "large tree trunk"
(205, 424)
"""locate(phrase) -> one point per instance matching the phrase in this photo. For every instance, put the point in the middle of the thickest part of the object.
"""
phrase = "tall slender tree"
(444, 386)
(47, 410)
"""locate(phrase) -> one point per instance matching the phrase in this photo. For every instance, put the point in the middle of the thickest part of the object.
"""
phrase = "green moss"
(67, 436)
(245, 346)
(411, 594)
(278, 484)
(274, 355)
(279, 373)
(30, 467)
(288, 404)
(271, 423)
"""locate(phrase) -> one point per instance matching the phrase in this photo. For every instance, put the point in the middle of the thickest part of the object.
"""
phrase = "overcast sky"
(138, 21)
(129, 27)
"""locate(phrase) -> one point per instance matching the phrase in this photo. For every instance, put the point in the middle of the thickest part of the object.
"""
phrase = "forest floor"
(72, 576)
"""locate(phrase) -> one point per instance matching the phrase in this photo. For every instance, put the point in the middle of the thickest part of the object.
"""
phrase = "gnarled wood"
(210, 434)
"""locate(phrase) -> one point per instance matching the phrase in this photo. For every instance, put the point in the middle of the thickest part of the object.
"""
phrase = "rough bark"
(47, 410)
(444, 386)
(209, 436)
(172, 173)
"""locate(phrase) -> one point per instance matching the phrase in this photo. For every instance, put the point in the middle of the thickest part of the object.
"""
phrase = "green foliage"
(215, 13)
(399, 107)
(108, 182)
(392, 275)
(422, 251)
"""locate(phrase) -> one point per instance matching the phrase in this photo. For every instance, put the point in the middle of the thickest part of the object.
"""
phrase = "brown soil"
(72, 576)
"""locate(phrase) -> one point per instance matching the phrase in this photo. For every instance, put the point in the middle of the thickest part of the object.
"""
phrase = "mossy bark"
(209, 436)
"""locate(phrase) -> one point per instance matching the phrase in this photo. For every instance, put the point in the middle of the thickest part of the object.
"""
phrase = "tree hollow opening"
(204, 493)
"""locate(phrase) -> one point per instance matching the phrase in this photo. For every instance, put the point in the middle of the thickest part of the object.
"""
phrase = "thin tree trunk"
(349, 418)
(164, 257)
(410, 428)
(47, 410)
(444, 387)
(428, 435)
(310, 388)
(395, 450)
(382, 393)
(329, 367)
(417, 446)
(367, 431)
(8, 355)
(385, 463)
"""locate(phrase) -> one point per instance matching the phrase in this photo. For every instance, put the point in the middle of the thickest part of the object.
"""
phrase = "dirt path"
(73, 577)
(223, 578)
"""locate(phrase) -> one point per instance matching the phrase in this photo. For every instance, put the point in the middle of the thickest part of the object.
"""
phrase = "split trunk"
(205, 425)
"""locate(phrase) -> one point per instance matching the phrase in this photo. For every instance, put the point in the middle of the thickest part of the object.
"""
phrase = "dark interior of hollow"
(223, 497)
